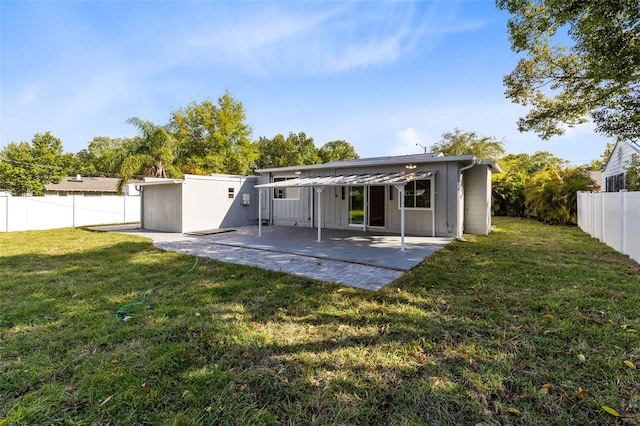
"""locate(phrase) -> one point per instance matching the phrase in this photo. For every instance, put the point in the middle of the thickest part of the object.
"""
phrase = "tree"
(214, 138)
(597, 76)
(508, 187)
(296, 149)
(551, 195)
(468, 143)
(633, 175)
(104, 156)
(152, 154)
(337, 151)
(26, 168)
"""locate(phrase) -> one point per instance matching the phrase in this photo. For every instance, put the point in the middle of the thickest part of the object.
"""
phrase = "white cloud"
(409, 141)
(316, 38)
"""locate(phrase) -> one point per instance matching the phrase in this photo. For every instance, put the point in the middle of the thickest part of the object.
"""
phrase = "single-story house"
(197, 203)
(614, 175)
(423, 194)
(88, 186)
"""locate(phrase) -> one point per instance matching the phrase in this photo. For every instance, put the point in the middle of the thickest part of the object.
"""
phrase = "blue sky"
(382, 75)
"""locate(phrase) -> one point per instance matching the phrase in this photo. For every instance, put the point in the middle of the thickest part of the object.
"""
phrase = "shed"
(197, 203)
(424, 194)
(614, 172)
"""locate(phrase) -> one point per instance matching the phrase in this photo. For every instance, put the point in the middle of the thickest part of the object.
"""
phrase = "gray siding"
(200, 203)
(206, 202)
(303, 212)
(477, 200)
(162, 208)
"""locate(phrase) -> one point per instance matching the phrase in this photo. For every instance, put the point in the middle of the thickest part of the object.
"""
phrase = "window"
(356, 205)
(285, 193)
(615, 183)
(417, 194)
(231, 193)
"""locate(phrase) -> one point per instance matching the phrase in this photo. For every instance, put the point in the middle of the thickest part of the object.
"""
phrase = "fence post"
(592, 214)
(623, 220)
(602, 217)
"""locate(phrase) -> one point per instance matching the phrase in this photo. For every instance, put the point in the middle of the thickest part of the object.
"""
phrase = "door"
(377, 206)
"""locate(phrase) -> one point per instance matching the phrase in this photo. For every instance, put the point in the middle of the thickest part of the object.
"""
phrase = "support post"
(260, 212)
(319, 191)
(400, 189)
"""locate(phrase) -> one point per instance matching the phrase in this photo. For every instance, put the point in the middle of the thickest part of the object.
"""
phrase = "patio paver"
(362, 260)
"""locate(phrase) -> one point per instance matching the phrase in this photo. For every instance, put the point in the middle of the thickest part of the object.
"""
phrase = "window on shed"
(232, 193)
(417, 194)
(285, 193)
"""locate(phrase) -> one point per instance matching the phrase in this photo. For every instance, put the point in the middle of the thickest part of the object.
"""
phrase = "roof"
(84, 184)
(362, 179)
(152, 181)
(402, 160)
(631, 144)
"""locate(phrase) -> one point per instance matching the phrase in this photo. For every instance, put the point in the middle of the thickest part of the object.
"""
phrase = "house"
(88, 186)
(424, 194)
(197, 203)
(614, 176)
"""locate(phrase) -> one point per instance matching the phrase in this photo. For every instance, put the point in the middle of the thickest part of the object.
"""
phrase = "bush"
(551, 195)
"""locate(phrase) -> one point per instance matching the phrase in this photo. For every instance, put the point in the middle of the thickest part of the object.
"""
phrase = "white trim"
(363, 179)
(431, 197)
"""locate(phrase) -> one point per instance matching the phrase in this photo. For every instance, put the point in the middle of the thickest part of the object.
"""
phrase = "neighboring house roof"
(389, 161)
(84, 184)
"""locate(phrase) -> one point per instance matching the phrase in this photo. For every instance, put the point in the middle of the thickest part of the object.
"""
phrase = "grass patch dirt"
(531, 325)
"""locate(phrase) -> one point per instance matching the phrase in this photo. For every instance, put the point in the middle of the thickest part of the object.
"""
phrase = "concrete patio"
(359, 259)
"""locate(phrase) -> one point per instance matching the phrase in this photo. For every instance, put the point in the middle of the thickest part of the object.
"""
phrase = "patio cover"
(364, 179)
(397, 179)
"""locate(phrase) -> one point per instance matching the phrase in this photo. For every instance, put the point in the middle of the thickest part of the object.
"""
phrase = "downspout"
(140, 190)
(433, 207)
(474, 163)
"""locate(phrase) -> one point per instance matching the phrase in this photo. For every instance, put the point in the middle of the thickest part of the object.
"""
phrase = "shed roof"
(362, 179)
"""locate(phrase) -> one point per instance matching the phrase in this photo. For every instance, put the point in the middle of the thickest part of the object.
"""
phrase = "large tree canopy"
(214, 138)
(294, 150)
(104, 155)
(468, 143)
(25, 168)
(595, 74)
(338, 150)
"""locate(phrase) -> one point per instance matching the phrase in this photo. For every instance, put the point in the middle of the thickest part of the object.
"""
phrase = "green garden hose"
(121, 314)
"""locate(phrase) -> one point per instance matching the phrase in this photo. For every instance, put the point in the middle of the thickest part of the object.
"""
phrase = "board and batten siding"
(200, 203)
(293, 212)
(162, 208)
(477, 200)
(212, 202)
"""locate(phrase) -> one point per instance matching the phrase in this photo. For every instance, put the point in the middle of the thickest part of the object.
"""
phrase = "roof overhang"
(160, 182)
(363, 179)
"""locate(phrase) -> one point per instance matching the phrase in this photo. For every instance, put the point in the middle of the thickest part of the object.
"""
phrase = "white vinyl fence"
(613, 218)
(49, 212)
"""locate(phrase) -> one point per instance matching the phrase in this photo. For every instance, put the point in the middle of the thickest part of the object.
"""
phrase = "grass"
(532, 325)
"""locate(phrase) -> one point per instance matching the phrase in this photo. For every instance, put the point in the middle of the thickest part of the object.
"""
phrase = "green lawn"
(531, 325)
